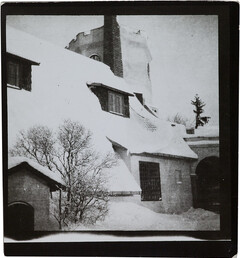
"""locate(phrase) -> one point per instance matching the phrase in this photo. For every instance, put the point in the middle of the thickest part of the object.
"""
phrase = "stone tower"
(125, 51)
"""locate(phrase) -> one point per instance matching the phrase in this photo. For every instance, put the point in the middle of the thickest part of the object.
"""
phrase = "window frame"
(154, 182)
(22, 73)
(16, 76)
(178, 176)
(95, 55)
(113, 106)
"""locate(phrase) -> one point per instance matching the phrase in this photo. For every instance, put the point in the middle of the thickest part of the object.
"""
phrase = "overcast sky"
(184, 54)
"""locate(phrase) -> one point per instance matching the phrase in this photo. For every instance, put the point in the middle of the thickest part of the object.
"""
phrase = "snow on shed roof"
(120, 87)
(55, 176)
(204, 131)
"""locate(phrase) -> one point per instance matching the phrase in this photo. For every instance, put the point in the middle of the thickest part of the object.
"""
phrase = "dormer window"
(115, 103)
(111, 99)
(19, 72)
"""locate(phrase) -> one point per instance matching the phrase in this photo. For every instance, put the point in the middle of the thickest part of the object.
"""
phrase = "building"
(155, 162)
(30, 188)
(125, 51)
(205, 172)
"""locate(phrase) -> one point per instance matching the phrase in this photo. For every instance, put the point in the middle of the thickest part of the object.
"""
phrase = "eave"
(53, 184)
(164, 155)
(95, 84)
(22, 58)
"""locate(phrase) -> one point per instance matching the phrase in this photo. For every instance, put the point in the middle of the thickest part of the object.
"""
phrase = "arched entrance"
(20, 220)
(208, 184)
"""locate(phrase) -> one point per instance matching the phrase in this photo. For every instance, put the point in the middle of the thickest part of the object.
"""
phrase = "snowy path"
(130, 216)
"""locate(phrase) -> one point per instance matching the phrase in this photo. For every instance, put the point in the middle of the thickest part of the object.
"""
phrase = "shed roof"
(53, 177)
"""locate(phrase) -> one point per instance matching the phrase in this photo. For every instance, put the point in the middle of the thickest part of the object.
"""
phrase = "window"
(115, 103)
(13, 73)
(178, 176)
(148, 70)
(150, 181)
(19, 72)
(95, 57)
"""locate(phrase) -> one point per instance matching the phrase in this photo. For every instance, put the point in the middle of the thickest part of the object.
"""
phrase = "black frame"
(228, 13)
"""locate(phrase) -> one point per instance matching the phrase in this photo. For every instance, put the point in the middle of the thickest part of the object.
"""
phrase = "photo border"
(228, 113)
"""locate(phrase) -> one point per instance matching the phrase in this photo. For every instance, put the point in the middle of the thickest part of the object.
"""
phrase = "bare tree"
(70, 152)
(178, 119)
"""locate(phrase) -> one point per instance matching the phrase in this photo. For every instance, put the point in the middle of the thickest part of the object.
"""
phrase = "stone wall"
(88, 44)
(176, 198)
(27, 187)
(125, 52)
(203, 151)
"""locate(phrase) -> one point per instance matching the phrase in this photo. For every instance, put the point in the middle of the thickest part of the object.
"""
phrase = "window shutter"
(13, 74)
(117, 104)
(110, 101)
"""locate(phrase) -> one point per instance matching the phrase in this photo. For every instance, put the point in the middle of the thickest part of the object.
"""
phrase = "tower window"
(115, 103)
(95, 57)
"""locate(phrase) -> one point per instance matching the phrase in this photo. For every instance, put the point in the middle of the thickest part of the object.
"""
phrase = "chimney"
(112, 54)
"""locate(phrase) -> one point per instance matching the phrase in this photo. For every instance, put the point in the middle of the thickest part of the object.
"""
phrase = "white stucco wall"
(135, 59)
(176, 198)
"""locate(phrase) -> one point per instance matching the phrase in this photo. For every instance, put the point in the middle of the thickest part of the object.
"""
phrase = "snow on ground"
(130, 216)
(126, 216)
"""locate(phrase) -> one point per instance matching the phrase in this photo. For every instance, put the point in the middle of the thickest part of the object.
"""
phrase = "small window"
(19, 72)
(13, 73)
(150, 181)
(178, 176)
(148, 70)
(115, 103)
(95, 57)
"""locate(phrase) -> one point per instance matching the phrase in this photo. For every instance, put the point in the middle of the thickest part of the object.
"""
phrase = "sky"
(184, 51)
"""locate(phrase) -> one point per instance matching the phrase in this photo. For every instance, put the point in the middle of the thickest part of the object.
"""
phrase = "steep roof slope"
(59, 92)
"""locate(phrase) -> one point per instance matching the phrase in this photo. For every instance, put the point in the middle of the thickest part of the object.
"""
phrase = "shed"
(29, 193)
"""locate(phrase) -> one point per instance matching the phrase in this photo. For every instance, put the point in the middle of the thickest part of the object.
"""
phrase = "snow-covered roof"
(19, 57)
(121, 180)
(118, 85)
(59, 91)
(54, 176)
(204, 142)
(144, 133)
(204, 131)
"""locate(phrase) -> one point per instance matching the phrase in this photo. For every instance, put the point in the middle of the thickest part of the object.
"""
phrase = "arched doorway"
(20, 220)
(208, 184)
